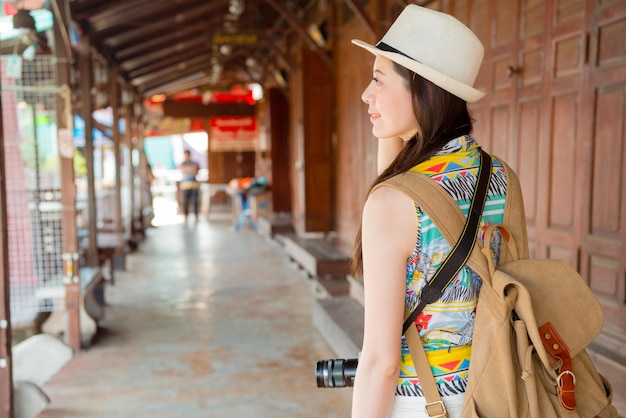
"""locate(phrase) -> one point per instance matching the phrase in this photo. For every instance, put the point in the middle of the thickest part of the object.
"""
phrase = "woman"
(422, 78)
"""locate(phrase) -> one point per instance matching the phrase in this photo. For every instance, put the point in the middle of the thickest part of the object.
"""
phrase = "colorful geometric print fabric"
(446, 326)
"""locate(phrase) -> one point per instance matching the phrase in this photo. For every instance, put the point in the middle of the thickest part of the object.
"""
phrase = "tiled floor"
(204, 322)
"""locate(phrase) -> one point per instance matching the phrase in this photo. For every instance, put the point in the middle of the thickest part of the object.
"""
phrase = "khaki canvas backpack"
(534, 320)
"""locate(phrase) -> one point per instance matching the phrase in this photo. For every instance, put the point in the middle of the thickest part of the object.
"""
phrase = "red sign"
(233, 133)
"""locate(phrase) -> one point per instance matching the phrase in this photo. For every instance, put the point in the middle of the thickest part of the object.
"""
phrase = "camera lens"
(336, 373)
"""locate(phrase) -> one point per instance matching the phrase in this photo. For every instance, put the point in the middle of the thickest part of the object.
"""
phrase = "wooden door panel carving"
(605, 240)
(500, 131)
(527, 161)
(563, 164)
(569, 11)
(604, 234)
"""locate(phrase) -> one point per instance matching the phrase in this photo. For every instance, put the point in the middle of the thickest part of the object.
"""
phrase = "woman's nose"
(366, 96)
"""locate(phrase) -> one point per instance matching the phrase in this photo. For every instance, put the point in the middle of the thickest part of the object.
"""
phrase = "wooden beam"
(85, 10)
(361, 14)
(193, 68)
(282, 9)
(167, 56)
(149, 29)
(199, 110)
(187, 82)
(165, 39)
(181, 67)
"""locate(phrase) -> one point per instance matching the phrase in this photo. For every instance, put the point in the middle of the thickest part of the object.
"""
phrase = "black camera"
(336, 373)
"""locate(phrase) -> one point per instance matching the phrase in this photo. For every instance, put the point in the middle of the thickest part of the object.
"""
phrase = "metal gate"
(29, 111)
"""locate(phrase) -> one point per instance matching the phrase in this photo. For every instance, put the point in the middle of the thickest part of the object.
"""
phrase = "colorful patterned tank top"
(446, 326)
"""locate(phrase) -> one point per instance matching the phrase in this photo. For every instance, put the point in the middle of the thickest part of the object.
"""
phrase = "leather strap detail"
(558, 350)
(434, 404)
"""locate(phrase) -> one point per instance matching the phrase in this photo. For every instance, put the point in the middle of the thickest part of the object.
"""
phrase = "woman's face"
(389, 102)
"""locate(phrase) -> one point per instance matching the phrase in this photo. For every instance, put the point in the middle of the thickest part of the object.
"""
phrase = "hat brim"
(459, 89)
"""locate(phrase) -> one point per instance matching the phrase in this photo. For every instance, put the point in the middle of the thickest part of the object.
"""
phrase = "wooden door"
(278, 130)
(555, 74)
(603, 260)
(224, 166)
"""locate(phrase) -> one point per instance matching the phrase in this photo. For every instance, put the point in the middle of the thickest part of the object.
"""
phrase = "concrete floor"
(204, 322)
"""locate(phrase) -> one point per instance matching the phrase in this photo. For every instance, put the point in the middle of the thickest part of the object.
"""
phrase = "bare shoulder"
(387, 198)
(389, 222)
(388, 206)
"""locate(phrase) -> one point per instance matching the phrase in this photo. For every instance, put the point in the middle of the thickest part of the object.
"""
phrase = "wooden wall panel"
(608, 163)
(531, 61)
(495, 23)
(533, 18)
(560, 194)
(318, 101)
(479, 22)
(605, 240)
(312, 143)
(603, 249)
(527, 162)
(278, 128)
(611, 44)
(529, 138)
(500, 131)
(569, 11)
(563, 165)
(225, 166)
(568, 56)
(504, 21)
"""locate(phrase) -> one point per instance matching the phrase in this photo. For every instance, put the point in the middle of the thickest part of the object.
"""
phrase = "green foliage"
(80, 164)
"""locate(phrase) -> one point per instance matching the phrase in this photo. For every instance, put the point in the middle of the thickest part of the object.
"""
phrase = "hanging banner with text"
(233, 133)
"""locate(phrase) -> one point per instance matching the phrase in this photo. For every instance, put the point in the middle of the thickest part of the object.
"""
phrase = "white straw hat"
(436, 46)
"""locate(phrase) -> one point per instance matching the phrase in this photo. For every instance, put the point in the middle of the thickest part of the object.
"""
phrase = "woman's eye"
(375, 80)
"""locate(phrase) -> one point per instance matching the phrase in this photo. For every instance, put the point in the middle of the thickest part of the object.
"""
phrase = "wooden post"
(128, 139)
(6, 373)
(114, 93)
(86, 84)
(145, 172)
(63, 55)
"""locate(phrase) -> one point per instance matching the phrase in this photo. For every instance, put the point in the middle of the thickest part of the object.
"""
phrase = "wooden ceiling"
(169, 46)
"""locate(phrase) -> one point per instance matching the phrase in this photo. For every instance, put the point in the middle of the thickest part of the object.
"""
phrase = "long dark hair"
(441, 117)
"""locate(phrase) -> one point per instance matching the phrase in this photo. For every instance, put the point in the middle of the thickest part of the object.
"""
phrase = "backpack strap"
(434, 405)
(514, 216)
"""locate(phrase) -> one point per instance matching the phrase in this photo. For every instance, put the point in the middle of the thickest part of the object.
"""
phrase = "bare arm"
(388, 149)
(388, 239)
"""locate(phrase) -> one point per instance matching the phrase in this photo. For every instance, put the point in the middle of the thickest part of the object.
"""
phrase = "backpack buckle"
(441, 413)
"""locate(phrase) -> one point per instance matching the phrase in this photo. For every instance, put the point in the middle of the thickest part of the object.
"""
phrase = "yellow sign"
(220, 38)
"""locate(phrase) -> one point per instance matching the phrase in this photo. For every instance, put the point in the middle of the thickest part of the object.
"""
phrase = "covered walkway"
(204, 322)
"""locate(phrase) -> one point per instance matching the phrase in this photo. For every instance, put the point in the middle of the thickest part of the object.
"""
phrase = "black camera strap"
(459, 255)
